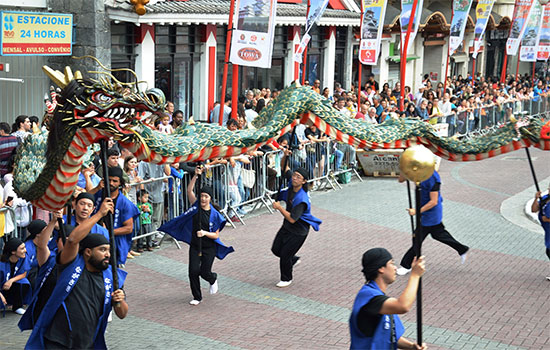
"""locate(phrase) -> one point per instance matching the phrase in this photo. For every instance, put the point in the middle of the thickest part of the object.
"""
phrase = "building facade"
(179, 47)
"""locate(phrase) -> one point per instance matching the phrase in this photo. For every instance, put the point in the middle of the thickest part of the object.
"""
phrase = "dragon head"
(105, 104)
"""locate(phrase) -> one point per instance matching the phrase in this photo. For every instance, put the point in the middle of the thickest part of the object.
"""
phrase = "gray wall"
(26, 98)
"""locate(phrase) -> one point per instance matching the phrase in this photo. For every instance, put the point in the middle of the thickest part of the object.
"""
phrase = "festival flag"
(483, 11)
(406, 9)
(252, 39)
(521, 11)
(461, 8)
(544, 33)
(316, 10)
(371, 30)
(531, 34)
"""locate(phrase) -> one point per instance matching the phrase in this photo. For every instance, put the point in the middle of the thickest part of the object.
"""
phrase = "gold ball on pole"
(417, 163)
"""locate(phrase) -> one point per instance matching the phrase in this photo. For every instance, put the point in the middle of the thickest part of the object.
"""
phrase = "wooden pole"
(418, 253)
(226, 63)
(473, 70)
(109, 217)
(360, 68)
(448, 55)
(234, 91)
(517, 65)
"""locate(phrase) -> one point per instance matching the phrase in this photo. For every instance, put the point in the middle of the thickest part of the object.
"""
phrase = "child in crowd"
(165, 126)
(145, 221)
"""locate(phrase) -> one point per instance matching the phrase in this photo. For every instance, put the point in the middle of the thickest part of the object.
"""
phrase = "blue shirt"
(433, 216)
(545, 211)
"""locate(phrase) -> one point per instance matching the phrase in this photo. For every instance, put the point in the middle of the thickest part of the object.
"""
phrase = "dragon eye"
(101, 97)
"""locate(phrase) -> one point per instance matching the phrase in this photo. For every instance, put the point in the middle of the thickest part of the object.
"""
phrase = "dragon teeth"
(91, 114)
(108, 113)
(132, 111)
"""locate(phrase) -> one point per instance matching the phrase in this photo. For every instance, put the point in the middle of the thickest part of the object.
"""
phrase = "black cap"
(375, 258)
(85, 195)
(93, 240)
(116, 172)
(208, 190)
(302, 172)
(11, 246)
(34, 228)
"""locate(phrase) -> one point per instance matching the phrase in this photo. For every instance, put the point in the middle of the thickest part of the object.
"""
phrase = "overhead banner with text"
(316, 10)
(406, 9)
(521, 11)
(544, 33)
(252, 39)
(483, 11)
(461, 8)
(36, 34)
(371, 30)
(530, 39)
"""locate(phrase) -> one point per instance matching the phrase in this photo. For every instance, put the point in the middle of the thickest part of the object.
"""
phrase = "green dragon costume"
(48, 162)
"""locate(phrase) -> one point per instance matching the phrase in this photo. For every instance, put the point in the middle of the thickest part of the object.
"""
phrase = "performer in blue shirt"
(125, 213)
(83, 208)
(374, 323)
(431, 216)
(200, 227)
(15, 288)
(541, 205)
(297, 220)
(75, 316)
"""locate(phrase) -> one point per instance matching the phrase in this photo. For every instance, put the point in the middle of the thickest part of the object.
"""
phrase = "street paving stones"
(499, 299)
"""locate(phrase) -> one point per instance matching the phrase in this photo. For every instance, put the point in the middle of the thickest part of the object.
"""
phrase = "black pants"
(438, 233)
(201, 266)
(548, 252)
(285, 246)
(14, 295)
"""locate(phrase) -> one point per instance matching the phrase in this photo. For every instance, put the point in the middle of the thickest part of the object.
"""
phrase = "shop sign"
(36, 34)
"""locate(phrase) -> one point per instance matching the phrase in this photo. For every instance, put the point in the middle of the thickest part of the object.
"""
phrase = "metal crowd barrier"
(342, 160)
(476, 120)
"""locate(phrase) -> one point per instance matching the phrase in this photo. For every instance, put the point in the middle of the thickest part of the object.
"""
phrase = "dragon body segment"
(48, 163)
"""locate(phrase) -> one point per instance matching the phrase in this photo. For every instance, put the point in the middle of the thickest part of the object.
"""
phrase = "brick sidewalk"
(498, 300)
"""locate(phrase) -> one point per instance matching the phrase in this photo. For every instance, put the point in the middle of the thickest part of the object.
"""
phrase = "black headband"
(93, 240)
(34, 228)
(85, 195)
(12, 246)
(375, 258)
(208, 190)
(302, 172)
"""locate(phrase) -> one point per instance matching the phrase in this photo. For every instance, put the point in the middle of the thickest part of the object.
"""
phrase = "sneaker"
(297, 262)
(194, 302)
(402, 271)
(463, 257)
(20, 311)
(214, 287)
(548, 278)
(283, 284)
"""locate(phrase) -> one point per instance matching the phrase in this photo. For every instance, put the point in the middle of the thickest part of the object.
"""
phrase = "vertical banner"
(544, 33)
(406, 8)
(316, 10)
(252, 39)
(371, 30)
(530, 39)
(521, 11)
(461, 8)
(483, 11)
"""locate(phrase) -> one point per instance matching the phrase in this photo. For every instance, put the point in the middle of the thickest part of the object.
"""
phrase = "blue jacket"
(302, 197)
(433, 216)
(124, 210)
(21, 267)
(545, 211)
(181, 228)
(52, 244)
(381, 338)
(65, 283)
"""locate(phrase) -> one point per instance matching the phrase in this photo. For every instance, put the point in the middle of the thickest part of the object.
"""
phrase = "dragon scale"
(48, 163)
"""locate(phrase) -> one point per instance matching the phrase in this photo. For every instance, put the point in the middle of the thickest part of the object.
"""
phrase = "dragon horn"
(56, 76)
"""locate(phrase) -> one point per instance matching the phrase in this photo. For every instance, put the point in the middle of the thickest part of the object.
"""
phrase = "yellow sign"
(33, 33)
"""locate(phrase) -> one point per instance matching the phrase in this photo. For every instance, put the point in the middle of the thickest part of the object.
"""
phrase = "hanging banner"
(371, 30)
(544, 33)
(316, 10)
(252, 39)
(531, 35)
(461, 8)
(406, 9)
(521, 11)
(36, 34)
(483, 11)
